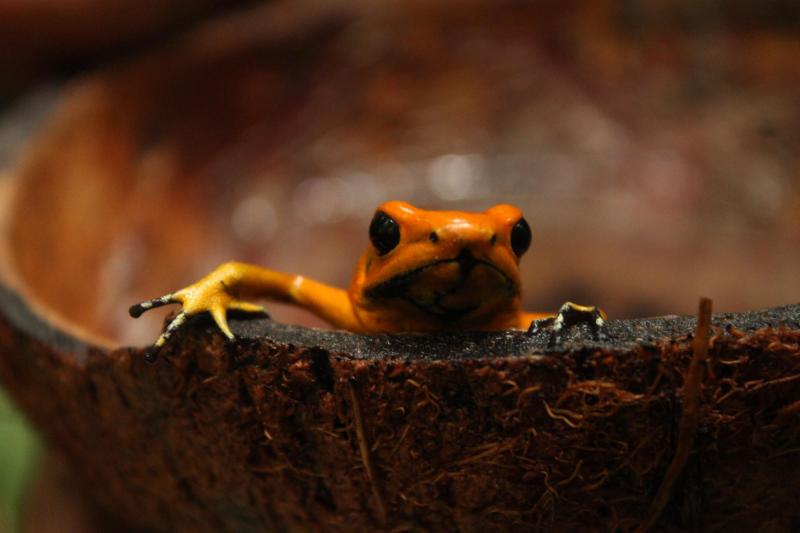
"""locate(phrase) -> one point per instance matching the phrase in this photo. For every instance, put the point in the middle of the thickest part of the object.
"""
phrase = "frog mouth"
(435, 302)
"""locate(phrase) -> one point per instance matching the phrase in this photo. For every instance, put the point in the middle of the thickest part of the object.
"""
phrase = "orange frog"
(425, 271)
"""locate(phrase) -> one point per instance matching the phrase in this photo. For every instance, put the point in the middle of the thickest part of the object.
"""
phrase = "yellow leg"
(225, 287)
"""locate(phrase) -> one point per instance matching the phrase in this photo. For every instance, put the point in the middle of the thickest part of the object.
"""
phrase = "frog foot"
(569, 315)
(198, 298)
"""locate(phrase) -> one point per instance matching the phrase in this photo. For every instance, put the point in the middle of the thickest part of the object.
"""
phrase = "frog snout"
(464, 238)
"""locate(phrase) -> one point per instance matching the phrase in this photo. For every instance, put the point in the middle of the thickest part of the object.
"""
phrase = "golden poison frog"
(424, 271)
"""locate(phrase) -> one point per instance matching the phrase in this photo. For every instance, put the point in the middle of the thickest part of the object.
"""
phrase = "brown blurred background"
(652, 145)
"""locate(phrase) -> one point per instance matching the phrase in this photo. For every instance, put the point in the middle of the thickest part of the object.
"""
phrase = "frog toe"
(539, 324)
(152, 352)
(247, 307)
(137, 310)
(219, 314)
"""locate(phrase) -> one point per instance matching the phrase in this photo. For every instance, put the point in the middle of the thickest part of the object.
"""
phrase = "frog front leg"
(230, 285)
(571, 314)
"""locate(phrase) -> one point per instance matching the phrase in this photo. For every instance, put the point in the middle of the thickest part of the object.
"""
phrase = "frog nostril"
(493, 239)
(434, 237)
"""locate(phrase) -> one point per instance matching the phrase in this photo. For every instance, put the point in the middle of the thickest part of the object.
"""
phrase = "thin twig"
(690, 417)
(770, 383)
(366, 455)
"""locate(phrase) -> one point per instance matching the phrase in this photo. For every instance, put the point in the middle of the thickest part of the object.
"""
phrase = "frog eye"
(384, 233)
(520, 237)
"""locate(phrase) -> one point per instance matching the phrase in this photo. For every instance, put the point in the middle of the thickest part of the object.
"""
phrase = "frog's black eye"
(384, 233)
(520, 237)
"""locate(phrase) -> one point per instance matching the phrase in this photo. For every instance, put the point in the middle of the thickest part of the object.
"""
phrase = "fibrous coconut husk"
(289, 428)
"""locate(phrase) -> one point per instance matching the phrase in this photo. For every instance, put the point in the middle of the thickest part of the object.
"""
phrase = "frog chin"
(444, 314)
(448, 290)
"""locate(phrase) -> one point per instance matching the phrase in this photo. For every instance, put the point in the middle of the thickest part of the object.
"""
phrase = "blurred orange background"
(652, 148)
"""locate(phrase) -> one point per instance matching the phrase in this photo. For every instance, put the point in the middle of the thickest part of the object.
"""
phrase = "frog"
(424, 271)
